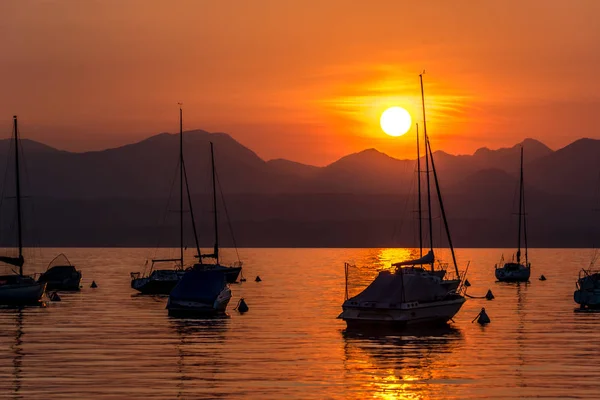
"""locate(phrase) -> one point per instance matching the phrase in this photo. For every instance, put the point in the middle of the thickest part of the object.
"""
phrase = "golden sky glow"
(305, 80)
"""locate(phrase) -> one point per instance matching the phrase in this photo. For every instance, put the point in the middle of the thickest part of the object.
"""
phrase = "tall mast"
(18, 193)
(419, 198)
(187, 188)
(439, 193)
(214, 188)
(181, 184)
(427, 170)
(520, 208)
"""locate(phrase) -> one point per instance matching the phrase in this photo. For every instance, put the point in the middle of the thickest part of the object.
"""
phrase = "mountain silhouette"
(117, 196)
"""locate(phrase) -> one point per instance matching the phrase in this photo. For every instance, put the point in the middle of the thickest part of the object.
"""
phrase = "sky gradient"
(303, 80)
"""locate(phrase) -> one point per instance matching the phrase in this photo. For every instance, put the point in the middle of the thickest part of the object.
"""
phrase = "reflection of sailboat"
(412, 294)
(587, 294)
(18, 289)
(190, 334)
(18, 350)
(387, 363)
(516, 271)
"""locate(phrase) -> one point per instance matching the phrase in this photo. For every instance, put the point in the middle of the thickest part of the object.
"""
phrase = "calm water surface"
(111, 343)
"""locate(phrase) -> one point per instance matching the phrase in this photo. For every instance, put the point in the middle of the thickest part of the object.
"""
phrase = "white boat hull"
(431, 313)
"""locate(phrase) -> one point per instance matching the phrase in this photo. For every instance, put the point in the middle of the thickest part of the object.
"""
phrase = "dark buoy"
(483, 318)
(257, 279)
(242, 307)
(542, 278)
(242, 279)
(489, 295)
(54, 296)
(467, 283)
(93, 285)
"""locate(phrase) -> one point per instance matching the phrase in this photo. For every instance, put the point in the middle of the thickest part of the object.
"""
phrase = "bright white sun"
(395, 121)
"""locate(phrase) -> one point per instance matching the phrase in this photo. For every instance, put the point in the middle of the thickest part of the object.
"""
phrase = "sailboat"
(517, 271)
(162, 281)
(16, 288)
(412, 294)
(231, 273)
(587, 293)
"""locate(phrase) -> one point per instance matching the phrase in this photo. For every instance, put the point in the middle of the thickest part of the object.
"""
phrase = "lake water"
(111, 343)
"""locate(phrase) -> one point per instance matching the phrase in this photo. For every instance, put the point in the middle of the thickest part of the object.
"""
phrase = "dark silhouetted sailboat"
(517, 271)
(162, 281)
(231, 273)
(587, 293)
(412, 294)
(16, 288)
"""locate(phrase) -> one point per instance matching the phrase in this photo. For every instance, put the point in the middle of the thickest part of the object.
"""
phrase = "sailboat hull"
(231, 273)
(159, 281)
(20, 291)
(199, 309)
(513, 272)
(421, 314)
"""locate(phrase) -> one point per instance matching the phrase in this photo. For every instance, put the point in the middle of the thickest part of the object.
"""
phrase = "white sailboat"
(517, 271)
(412, 294)
(17, 288)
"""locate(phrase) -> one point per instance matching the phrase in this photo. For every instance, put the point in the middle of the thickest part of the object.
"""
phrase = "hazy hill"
(119, 196)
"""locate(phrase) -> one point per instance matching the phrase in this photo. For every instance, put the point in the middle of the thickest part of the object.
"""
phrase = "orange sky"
(301, 79)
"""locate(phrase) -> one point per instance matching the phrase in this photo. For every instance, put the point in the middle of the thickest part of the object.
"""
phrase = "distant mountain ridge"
(116, 196)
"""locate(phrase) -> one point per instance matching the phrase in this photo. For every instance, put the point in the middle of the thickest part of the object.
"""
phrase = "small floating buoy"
(54, 296)
(93, 285)
(483, 318)
(467, 283)
(489, 295)
(257, 279)
(242, 307)
(242, 279)
(542, 278)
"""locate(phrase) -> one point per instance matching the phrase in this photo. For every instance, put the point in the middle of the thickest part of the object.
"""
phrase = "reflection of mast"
(519, 336)
(18, 350)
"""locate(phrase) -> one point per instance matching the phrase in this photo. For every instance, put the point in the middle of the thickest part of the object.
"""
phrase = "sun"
(395, 121)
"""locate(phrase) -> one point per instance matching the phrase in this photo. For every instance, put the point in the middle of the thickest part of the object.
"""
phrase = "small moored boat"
(517, 271)
(200, 293)
(61, 275)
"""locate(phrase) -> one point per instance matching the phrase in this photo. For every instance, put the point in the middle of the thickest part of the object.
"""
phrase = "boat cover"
(200, 286)
(396, 288)
(426, 259)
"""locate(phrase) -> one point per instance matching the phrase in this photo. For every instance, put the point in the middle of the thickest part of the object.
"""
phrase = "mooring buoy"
(242, 307)
(483, 317)
(542, 278)
(54, 296)
(257, 279)
(467, 283)
(93, 285)
(489, 295)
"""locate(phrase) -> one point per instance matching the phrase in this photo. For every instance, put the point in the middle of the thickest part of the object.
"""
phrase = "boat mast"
(439, 193)
(520, 208)
(419, 190)
(18, 194)
(427, 170)
(181, 184)
(212, 159)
